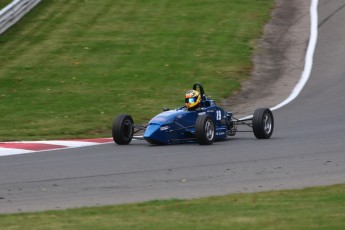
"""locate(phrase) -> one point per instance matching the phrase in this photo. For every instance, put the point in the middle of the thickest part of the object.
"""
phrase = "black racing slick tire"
(205, 130)
(123, 129)
(263, 123)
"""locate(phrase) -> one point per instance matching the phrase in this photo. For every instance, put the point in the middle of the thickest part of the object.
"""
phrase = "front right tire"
(205, 130)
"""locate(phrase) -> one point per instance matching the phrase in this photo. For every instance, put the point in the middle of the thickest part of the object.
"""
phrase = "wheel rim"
(267, 123)
(209, 129)
(127, 129)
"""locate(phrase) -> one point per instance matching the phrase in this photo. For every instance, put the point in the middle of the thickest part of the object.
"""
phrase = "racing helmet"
(193, 99)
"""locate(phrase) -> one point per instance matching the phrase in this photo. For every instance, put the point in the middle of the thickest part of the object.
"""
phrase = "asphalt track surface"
(307, 149)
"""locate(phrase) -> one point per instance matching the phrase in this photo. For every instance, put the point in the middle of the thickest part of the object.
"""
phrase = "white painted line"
(66, 143)
(308, 58)
(8, 151)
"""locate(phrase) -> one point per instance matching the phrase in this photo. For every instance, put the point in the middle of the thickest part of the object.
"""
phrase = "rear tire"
(263, 123)
(205, 130)
(123, 129)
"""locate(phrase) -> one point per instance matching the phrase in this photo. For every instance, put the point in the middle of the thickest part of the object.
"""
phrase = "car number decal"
(218, 115)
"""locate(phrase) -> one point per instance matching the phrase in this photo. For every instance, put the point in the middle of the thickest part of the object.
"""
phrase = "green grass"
(4, 3)
(312, 208)
(71, 65)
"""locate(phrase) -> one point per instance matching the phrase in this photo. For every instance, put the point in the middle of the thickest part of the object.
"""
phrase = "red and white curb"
(22, 147)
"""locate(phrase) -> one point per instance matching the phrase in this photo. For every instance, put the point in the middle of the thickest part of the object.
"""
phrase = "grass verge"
(70, 66)
(312, 208)
(4, 3)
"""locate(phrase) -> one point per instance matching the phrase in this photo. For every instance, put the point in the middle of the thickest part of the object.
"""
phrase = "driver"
(193, 99)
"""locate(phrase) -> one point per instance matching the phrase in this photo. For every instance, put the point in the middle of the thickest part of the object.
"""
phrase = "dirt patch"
(278, 60)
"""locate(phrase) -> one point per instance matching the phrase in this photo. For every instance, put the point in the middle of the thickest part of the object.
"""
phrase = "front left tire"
(263, 123)
(123, 129)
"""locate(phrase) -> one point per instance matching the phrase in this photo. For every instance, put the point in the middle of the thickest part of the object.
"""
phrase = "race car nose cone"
(154, 134)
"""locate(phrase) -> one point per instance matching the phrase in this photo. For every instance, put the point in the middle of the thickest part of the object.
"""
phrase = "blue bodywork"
(178, 126)
(205, 124)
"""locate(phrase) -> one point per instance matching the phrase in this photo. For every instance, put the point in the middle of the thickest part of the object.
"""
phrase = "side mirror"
(166, 109)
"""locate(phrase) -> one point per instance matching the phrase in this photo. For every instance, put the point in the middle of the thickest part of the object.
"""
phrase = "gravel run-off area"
(278, 60)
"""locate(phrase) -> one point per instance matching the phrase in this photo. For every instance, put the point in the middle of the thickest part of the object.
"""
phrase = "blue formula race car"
(200, 120)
